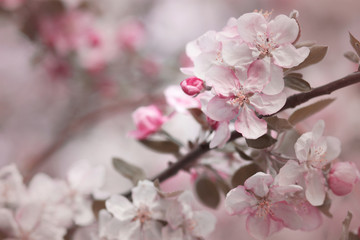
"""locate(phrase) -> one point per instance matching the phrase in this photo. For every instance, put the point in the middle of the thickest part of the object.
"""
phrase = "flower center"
(317, 156)
(143, 214)
(239, 98)
(264, 208)
(265, 45)
(190, 224)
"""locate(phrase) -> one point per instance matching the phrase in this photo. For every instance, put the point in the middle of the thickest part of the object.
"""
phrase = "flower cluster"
(47, 208)
(153, 215)
(243, 64)
(289, 199)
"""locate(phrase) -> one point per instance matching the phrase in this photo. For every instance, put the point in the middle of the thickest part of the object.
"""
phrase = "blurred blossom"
(131, 35)
(148, 120)
(342, 177)
(11, 4)
(178, 100)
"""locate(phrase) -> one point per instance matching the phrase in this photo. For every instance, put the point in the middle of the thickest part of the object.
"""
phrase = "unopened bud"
(342, 177)
(192, 86)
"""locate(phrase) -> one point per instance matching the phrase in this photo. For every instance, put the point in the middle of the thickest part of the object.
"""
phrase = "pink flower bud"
(192, 86)
(342, 177)
(148, 120)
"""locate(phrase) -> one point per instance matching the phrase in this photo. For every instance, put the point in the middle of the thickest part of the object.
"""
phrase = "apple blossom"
(177, 99)
(313, 152)
(239, 95)
(265, 205)
(262, 38)
(139, 219)
(12, 188)
(185, 223)
(192, 86)
(342, 177)
(148, 120)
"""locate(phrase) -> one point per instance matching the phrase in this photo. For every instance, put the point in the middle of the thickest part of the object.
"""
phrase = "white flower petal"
(250, 25)
(236, 53)
(221, 136)
(287, 56)
(120, 207)
(315, 189)
(259, 183)
(239, 201)
(249, 125)
(219, 110)
(222, 79)
(205, 223)
(283, 29)
(144, 193)
(333, 148)
(268, 104)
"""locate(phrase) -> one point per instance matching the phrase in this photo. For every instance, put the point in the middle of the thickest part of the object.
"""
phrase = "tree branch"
(291, 102)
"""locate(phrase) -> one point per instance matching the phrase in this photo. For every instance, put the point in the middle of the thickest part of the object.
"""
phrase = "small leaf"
(129, 171)
(199, 116)
(295, 81)
(352, 56)
(278, 124)
(355, 44)
(262, 142)
(307, 111)
(244, 173)
(325, 207)
(305, 44)
(317, 53)
(345, 226)
(207, 192)
(161, 146)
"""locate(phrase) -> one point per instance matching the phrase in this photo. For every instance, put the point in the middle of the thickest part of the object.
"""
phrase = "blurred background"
(73, 71)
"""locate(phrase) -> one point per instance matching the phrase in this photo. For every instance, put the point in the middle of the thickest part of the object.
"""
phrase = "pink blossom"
(192, 86)
(136, 220)
(239, 95)
(11, 4)
(265, 205)
(342, 177)
(177, 99)
(131, 35)
(148, 120)
(185, 223)
(261, 38)
(313, 152)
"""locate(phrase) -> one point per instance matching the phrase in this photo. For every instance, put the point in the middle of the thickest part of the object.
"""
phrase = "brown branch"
(291, 102)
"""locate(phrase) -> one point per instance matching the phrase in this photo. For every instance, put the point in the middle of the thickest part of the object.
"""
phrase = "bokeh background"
(73, 71)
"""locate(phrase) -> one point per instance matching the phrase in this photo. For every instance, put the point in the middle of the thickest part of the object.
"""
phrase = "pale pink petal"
(170, 234)
(249, 125)
(144, 193)
(208, 42)
(276, 83)
(290, 173)
(192, 49)
(222, 79)
(279, 193)
(302, 147)
(287, 56)
(268, 104)
(7, 223)
(151, 230)
(250, 24)
(205, 223)
(236, 53)
(333, 148)
(219, 109)
(222, 135)
(129, 230)
(262, 227)
(318, 130)
(287, 214)
(203, 63)
(311, 216)
(259, 184)
(188, 71)
(239, 201)
(283, 29)
(29, 216)
(257, 76)
(120, 207)
(315, 189)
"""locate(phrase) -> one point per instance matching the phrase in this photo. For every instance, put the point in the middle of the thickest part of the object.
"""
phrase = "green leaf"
(295, 81)
(129, 171)
(305, 112)
(355, 44)
(278, 124)
(244, 173)
(161, 146)
(207, 192)
(352, 56)
(317, 53)
(262, 142)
